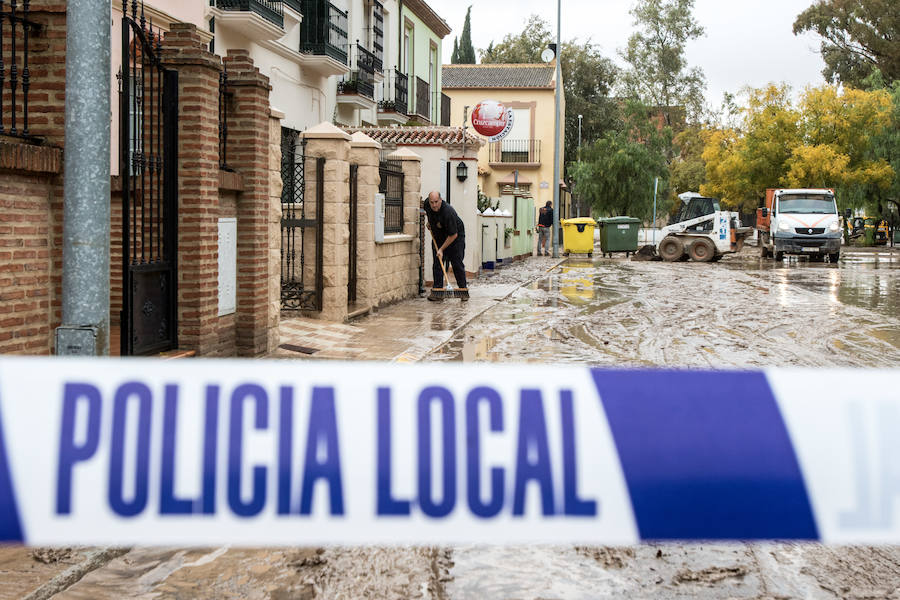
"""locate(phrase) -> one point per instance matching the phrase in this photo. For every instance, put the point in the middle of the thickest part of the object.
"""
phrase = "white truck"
(799, 221)
(701, 231)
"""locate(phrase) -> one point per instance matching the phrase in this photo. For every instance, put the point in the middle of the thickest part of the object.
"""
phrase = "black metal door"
(354, 242)
(148, 141)
(302, 277)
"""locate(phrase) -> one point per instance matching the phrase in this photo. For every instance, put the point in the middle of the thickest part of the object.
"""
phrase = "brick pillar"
(198, 186)
(274, 211)
(248, 154)
(364, 152)
(326, 140)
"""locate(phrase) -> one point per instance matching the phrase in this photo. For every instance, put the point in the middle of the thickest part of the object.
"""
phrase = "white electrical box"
(379, 217)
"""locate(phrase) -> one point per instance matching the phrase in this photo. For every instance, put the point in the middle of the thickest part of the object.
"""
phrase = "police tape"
(258, 453)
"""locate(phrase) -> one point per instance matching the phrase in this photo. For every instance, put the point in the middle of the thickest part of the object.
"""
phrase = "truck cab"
(801, 222)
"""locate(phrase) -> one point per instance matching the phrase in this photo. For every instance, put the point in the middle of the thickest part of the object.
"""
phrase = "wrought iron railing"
(15, 32)
(361, 79)
(271, 10)
(423, 99)
(395, 92)
(324, 30)
(516, 151)
(440, 109)
(391, 186)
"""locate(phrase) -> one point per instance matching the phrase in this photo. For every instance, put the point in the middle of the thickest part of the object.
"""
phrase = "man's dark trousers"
(454, 253)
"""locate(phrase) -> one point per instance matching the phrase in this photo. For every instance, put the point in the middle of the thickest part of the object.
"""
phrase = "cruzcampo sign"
(492, 119)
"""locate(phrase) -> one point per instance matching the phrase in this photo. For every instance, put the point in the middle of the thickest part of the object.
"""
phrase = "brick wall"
(27, 184)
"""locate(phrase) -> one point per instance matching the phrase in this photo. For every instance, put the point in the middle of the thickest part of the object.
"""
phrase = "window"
(407, 50)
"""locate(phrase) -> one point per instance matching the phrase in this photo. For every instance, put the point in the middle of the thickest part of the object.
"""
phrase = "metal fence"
(391, 186)
(361, 79)
(395, 92)
(15, 33)
(271, 10)
(516, 151)
(423, 98)
(324, 30)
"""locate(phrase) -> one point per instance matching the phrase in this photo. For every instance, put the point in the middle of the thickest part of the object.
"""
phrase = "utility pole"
(578, 201)
(556, 131)
(653, 225)
(86, 186)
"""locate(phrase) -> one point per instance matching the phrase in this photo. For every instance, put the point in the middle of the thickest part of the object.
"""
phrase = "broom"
(448, 291)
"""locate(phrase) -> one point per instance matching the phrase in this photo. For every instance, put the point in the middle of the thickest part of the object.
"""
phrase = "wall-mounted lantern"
(462, 171)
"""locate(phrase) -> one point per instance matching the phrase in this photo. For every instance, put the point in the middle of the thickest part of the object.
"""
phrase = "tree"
(859, 37)
(829, 140)
(466, 54)
(587, 77)
(521, 48)
(658, 73)
(617, 171)
(454, 56)
(687, 172)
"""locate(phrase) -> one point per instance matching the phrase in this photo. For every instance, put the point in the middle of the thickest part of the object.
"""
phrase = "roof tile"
(417, 136)
(498, 76)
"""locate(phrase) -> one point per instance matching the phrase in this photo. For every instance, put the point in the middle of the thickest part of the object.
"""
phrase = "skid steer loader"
(701, 231)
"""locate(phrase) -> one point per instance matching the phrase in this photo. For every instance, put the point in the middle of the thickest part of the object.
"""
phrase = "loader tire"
(671, 249)
(702, 250)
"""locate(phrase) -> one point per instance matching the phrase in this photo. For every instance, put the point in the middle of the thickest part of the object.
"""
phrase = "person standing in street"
(449, 235)
(545, 227)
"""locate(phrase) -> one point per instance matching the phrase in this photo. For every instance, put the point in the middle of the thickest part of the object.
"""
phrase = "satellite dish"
(548, 55)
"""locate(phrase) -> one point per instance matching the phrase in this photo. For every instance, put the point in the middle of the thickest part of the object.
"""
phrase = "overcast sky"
(746, 43)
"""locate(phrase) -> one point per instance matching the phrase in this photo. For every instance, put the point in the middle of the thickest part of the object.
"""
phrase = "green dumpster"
(871, 231)
(578, 235)
(619, 234)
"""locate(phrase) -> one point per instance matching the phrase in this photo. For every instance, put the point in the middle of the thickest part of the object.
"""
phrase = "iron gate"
(354, 243)
(301, 232)
(148, 142)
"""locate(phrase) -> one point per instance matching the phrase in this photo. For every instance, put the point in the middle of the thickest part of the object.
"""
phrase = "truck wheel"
(671, 249)
(763, 251)
(779, 256)
(833, 258)
(702, 250)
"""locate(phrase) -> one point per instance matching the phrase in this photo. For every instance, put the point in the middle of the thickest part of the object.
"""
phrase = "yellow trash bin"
(578, 235)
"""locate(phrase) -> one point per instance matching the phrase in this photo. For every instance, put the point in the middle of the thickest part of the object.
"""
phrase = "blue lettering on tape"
(10, 524)
(705, 456)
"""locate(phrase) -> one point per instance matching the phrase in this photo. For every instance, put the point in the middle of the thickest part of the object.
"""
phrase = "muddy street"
(740, 312)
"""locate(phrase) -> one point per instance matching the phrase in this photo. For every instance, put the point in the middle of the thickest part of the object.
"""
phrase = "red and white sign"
(492, 120)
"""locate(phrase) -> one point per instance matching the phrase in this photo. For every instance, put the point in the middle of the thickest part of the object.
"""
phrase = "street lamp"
(579, 136)
(556, 132)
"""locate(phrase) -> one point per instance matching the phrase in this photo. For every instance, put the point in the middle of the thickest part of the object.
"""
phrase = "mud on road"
(740, 312)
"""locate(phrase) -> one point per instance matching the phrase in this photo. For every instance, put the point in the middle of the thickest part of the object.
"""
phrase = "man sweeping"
(449, 235)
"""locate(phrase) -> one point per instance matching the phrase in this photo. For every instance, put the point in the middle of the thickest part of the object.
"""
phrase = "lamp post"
(580, 117)
(556, 131)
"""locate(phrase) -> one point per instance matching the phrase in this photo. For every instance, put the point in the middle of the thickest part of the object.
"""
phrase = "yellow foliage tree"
(825, 142)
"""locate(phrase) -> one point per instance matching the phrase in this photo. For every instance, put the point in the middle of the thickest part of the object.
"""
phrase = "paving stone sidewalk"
(408, 330)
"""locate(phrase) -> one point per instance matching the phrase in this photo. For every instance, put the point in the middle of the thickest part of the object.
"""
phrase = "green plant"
(508, 232)
(485, 203)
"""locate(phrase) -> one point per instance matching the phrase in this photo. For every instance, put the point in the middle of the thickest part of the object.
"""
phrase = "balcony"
(358, 87)
(257, 19)
(422, 109)
(323, 37)
(517, 153)
(440, 109)
(394, 106)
